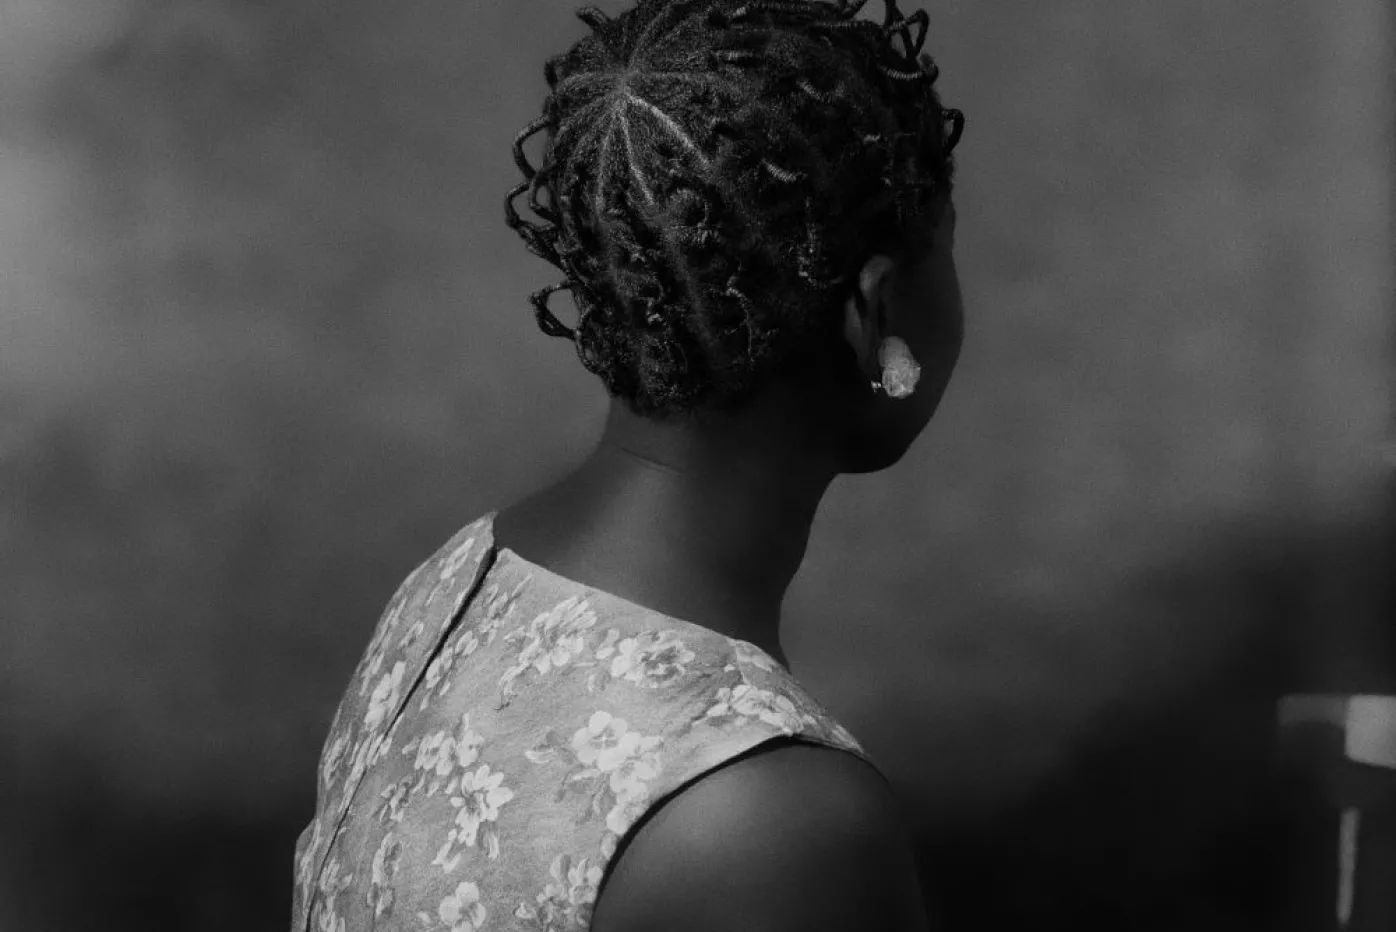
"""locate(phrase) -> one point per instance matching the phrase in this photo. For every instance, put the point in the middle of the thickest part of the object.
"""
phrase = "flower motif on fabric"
(362, 748)
(380, 896)
(498, 605)
(751, 655)
(481, 793)
(413, 633)
(551, 641)
(372, 660)
(372, 664)
(334, 756)
(385, 696)
(434, 681)
(651, 659)
(615, 765)
(441, 754)
(630, 805)
(745, 702)
(566, 904)
(459, 556)
(460, 911)
(324, 916)
(370, 748)
(305, 864)
(608, 745)
(445, 577)
(395, 797)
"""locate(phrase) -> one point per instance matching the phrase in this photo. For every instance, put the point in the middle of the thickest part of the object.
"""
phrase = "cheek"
(938, 328)
(954, 311)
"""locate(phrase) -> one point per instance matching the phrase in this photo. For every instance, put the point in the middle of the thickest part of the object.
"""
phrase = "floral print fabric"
(503, 730)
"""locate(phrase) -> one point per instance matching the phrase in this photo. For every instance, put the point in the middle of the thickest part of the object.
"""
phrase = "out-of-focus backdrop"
(265, 344)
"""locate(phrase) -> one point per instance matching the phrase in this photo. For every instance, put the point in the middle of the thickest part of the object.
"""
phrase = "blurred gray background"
(265, 344)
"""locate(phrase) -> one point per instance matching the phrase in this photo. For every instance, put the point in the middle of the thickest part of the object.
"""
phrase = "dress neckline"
(505, 554)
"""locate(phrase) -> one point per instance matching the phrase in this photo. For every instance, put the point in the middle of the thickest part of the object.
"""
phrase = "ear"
(865, 311)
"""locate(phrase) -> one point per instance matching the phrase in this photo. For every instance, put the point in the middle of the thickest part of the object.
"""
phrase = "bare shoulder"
(792, 837)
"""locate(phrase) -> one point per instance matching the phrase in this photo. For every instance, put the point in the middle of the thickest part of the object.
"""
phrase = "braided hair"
(716, 174)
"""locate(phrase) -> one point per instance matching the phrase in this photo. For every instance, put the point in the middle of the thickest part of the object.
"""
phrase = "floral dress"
(504, 729)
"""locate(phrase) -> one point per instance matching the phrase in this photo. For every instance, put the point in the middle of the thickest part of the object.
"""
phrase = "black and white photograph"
(697, 466)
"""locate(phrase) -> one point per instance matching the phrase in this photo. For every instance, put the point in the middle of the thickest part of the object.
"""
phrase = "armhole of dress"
(767, 744)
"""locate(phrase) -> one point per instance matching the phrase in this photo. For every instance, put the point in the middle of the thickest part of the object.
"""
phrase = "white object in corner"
(1368, 723)
(1370, 733)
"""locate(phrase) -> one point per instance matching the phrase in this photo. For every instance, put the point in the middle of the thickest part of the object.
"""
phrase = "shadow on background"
(93, 859)
(1178, 812)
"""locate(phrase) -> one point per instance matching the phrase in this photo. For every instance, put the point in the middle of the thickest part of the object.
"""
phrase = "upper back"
(792, 837)
(507, 729)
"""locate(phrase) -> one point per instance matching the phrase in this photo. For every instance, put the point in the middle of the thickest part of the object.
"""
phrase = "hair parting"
(714, 174)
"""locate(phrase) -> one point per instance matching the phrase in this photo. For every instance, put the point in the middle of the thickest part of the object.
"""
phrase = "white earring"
(900, 370)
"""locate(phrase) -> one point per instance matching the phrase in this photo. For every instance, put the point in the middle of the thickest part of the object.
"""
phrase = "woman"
(577, 714)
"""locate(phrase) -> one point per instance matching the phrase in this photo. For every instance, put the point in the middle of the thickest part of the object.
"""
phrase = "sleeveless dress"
(504, 729)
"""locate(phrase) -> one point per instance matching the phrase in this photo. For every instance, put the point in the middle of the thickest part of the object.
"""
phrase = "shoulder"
(792, 836)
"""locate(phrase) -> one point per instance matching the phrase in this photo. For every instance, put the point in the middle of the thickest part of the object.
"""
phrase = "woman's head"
(744, 197)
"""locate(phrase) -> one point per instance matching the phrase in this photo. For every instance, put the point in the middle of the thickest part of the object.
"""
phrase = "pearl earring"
(900, 370)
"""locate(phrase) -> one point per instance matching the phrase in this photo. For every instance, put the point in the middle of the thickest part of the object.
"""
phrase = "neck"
(706, 526)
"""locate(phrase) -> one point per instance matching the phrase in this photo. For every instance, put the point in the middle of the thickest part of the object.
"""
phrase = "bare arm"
(798, 838)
